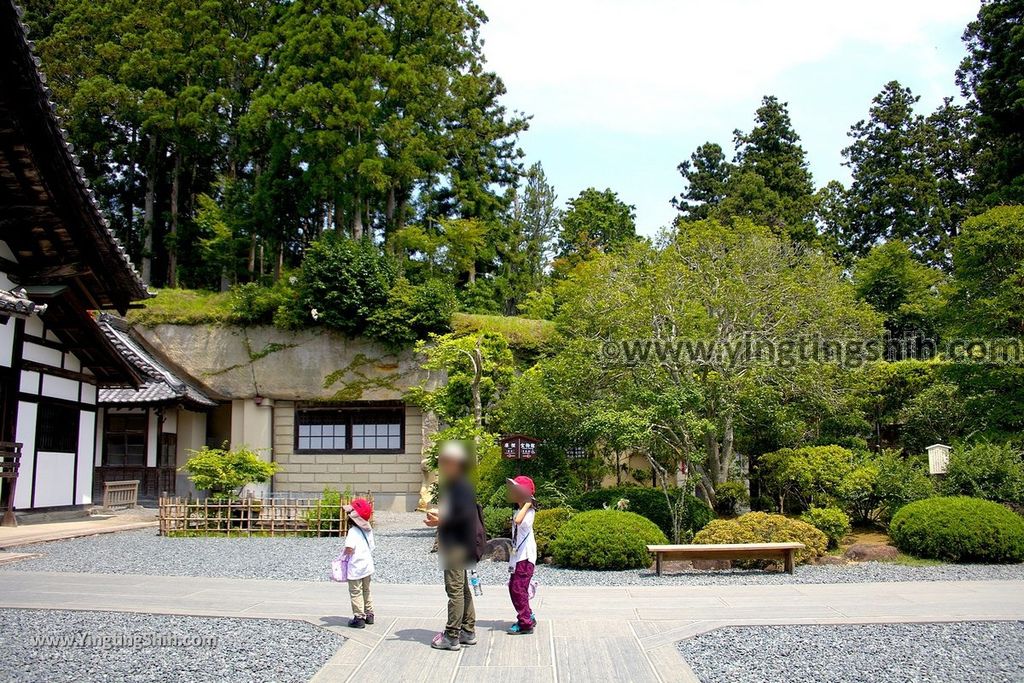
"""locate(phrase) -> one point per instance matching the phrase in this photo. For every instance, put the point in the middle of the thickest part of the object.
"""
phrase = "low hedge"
(959, 529)
(761, 527)
(606, 539)
(546, 525)
(648, 502)
(498, 522)
(832, 522)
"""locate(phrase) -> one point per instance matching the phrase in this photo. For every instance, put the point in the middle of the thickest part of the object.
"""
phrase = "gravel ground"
(193, 649)
(965, 652)
(403, 556)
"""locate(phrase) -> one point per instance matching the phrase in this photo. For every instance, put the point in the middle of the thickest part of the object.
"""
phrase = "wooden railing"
(254, 516)
(120, 494)
(10, 460)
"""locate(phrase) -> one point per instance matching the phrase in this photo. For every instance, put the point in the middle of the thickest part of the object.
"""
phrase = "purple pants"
(519, 589)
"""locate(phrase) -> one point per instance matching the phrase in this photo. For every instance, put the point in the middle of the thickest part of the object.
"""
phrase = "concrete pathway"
(623, 633)
(41, 532)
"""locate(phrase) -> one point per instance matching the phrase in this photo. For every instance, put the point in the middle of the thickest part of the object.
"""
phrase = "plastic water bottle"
(474, 581)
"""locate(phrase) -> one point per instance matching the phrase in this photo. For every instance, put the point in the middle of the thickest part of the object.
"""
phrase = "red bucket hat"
(361, 507)
(524, 483)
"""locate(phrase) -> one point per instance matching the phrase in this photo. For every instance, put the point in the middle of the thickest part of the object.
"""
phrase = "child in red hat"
(523, 557)
(359, 561)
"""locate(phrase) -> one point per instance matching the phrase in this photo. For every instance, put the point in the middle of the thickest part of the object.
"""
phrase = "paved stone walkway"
(622, 633)
(27, 534)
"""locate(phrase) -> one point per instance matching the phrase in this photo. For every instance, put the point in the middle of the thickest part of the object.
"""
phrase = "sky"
(621, 91)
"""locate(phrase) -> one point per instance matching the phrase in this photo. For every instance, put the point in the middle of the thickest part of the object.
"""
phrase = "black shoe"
(357, 622)
(368, 618)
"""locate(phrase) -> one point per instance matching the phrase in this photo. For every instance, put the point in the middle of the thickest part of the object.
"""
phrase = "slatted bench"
(727, 551)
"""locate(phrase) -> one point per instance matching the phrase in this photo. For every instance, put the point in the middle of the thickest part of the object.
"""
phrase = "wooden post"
(657, 563)
(790, 560)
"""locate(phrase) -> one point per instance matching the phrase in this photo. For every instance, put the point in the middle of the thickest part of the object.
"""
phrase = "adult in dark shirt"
(456, 522)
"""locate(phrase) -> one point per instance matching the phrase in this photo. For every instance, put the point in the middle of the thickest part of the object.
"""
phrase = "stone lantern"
(938, 458)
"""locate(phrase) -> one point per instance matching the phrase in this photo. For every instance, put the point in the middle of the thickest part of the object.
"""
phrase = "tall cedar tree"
(706, 178)
(894, 190)
(594, 221)
(992, 78)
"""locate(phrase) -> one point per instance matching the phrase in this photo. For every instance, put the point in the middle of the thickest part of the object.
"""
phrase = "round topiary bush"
(832, 522)
(546, 525)
(761, 527)
(606, 539)
(959, 529)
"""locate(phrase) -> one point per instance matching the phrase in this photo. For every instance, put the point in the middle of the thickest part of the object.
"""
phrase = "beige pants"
(461, 612)
(359, 591)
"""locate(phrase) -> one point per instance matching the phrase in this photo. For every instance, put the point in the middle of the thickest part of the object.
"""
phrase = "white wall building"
(58, 263)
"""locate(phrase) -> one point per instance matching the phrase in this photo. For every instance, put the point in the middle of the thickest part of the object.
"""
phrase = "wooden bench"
(727, 551)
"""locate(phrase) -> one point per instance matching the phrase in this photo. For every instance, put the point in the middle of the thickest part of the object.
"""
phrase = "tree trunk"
(172, 250)
(357, 219)
(149, 219)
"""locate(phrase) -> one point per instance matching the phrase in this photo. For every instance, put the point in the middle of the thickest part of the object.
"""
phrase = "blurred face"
(515, 494)
(450, 468)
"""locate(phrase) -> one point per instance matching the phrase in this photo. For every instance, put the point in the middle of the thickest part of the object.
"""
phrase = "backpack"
(480, 536)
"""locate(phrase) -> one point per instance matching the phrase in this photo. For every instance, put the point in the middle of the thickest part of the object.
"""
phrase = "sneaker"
(443, 642)
(517, 630)
(368, 618)
(357, 622)
(467, 638)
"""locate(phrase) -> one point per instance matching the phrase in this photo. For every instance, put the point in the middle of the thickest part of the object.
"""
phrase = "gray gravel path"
(402, 557)
(194, 649)
(965, 652)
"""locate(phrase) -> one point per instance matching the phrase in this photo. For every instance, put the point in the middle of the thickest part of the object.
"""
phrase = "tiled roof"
(161, 385)
(23, 70)
(15, 302)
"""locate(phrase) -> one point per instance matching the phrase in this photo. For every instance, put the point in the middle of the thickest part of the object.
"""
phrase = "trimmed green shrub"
(413, 312)
(546, 525)
(498, 499)
(648, 502)
(801, 477)
(498, 522)
(761, 527)
(986, 470)
(882, 484)
(959, 529)
(832, 522)
(606, 539)
(728, 495)
(222, 473)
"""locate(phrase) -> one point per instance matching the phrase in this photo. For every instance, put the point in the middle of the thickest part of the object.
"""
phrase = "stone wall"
(393, 478)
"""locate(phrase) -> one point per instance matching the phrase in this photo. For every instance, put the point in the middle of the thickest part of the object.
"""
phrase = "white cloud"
(653, 65)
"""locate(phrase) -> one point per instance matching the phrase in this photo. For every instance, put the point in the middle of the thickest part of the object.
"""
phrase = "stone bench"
(727, 551)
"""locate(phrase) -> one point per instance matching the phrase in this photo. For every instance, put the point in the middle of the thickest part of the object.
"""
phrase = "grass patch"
(911, 561)
(184, 307)
(521, 333)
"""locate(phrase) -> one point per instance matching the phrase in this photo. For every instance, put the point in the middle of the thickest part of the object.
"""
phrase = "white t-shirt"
(360, 562)
(524, 543)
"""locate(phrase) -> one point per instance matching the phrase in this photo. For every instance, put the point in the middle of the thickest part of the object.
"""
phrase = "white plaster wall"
(26, 434)
(29, 383)
(39, 353)
(6, 342)
(60, 387)
(86, 454)
(252, 426)
(55, 475)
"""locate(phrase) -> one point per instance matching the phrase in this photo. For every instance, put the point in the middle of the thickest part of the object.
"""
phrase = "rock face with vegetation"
(242, 362)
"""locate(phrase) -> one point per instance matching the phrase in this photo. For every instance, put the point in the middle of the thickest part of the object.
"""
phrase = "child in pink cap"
(359, 561)
(523, 557)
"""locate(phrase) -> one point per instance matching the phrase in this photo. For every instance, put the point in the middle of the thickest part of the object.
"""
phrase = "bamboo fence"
(253, 516)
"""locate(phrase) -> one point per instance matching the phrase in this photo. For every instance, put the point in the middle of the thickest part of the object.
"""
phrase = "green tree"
(717, 286)
(988, 280)
(894, 190)
(705, 178)
(772, 183)
(992, 77)
(595, 221)
(902, 289)
(529, 229)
